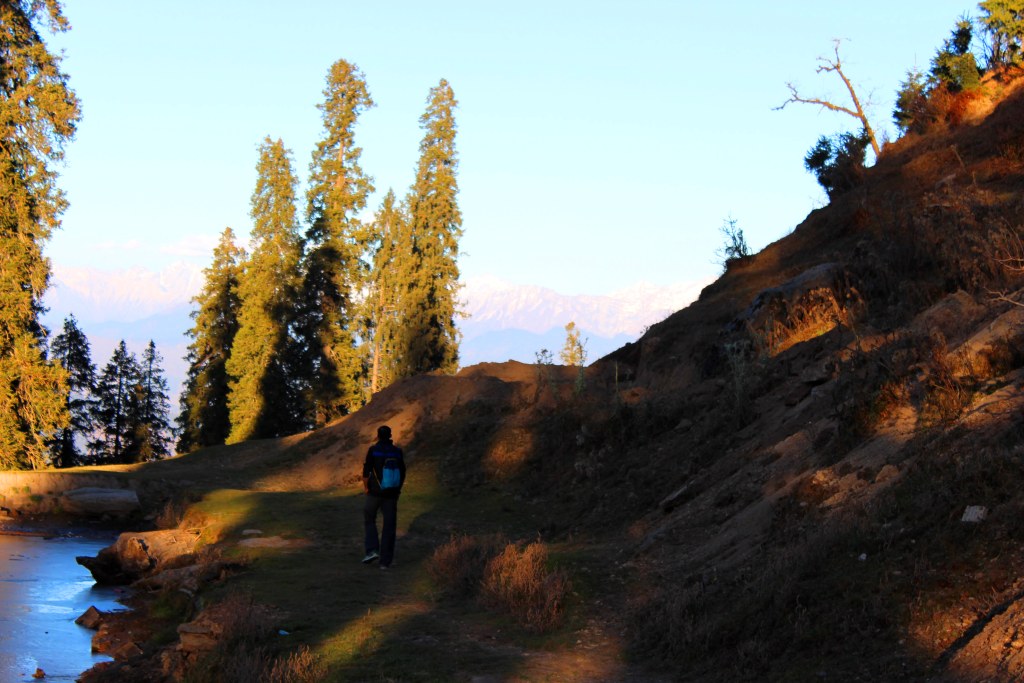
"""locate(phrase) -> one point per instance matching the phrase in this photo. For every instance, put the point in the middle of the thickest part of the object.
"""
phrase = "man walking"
(383, 476)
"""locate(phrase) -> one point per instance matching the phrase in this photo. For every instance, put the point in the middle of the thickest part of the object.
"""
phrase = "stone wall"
(39, 493)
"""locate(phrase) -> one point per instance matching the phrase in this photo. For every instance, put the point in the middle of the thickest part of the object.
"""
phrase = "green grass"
(366, 624)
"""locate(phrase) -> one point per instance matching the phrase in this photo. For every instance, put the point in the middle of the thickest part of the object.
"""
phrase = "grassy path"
(373, 625)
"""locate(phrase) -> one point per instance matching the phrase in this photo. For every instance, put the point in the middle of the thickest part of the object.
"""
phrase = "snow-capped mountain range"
(506, 321)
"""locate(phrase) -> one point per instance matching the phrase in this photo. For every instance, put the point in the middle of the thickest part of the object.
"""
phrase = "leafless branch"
(1005, 297)
(857, 111)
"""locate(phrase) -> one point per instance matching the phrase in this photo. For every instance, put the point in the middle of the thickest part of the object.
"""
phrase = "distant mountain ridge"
(506, 321)
(513, 322)
(123, 295)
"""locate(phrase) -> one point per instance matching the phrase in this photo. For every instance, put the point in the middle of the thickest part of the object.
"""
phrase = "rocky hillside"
(814, 472)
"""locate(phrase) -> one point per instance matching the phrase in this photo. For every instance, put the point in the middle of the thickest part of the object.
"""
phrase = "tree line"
(299, 329)
(55, 408)
(306, 325)
(120, 414)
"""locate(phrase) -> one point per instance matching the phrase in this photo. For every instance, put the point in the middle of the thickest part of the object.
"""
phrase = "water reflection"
(42, 592)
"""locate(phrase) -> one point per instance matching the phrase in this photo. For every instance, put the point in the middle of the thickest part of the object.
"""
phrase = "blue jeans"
(386, 544)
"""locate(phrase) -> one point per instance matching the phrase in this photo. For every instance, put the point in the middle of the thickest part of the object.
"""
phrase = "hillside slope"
(772, 483)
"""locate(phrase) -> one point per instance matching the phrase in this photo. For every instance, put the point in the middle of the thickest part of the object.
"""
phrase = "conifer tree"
(39, 113)
(116, 407)
(392, 262)
(431, 340)
(911, 102)
(1004, 22)
(203, 419)
(262, 399)
(151, 427)
(953, 64)
(336, 243)
(71, 349)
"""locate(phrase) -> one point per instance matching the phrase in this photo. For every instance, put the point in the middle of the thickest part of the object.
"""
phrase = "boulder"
(90, 619)
(126, 651)
(199, 636)
(97, 502)
(136, 555)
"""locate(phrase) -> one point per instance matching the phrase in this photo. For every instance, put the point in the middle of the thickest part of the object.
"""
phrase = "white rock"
(974, 514)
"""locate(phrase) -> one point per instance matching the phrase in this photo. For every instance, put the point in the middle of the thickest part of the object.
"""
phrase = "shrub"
(838, 161)
(948, 387)
(519, 582)
(458, 565)
(507, 577)
(735, 249)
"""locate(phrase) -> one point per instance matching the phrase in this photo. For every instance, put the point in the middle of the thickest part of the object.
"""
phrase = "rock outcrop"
(101, 502)
(137, 555)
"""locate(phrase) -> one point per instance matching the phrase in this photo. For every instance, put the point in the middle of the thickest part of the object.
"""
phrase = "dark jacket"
(373, 468)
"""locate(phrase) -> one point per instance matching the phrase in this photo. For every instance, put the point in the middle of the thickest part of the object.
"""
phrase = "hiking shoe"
(371, 556)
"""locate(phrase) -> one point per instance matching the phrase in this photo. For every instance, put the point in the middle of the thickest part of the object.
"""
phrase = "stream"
(42, 591)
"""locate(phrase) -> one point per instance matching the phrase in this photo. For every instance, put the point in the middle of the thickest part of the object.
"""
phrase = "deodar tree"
(203, 419)
(430, 338)
(116, 407)
(392, 263)
(39, 114)
(262, 399)
(152, 426)
(71, 349)
(336, 241)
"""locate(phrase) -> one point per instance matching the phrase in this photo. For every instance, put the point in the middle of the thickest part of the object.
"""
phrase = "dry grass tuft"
(948, 384)
(171, 514)
(301, 666)
(507, 577)
(458, 565)
(246, 657)
(518, 581)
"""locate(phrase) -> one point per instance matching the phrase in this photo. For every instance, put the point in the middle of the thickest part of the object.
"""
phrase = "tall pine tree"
(39, 114)
(116, 408)
(151, 435)
(431, 340)
(203, 418)
(336, 243)
(71, 349)
(392, 263)
(262, 400)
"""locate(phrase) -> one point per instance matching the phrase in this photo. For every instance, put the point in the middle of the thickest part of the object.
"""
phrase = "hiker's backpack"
(390, 472)
(391, 476)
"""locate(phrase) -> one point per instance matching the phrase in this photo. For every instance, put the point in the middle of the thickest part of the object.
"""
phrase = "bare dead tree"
(857, 111)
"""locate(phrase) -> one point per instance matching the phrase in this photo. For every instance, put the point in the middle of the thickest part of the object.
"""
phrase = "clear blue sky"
(601, 143)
